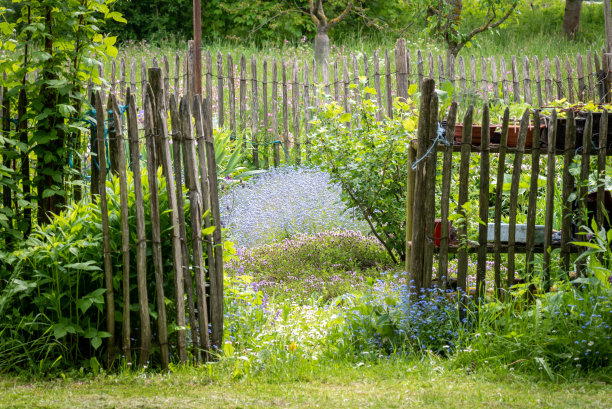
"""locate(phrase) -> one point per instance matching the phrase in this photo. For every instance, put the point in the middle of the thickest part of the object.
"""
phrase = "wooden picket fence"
(422, 241)
(174, 149)
(270, 101)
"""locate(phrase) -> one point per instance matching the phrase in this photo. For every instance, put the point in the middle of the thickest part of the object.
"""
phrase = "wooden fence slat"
(441, 76)
(606, 67)
(514, 187)
(143, 81)
(345, 75)
(527, 81)
(570, 80)
(410, 181)
(516, 81)
(533, 195)
(209, 75)
(550, 198)
(306, 99)
(419, 215)
(495, 83)
(177, 255)
(432, 69)
(568, 188)
(121, 173)
(447, 168)
(585, 165)
(336, 82)
(601, 89)
(379, 111)
(582, 92)
(356, 91)
(141, 246)
(591, 77)
(558, 79)
(547, 81)
(264, 99)
(133, 79)
(113, 80)
(220, 96)
(462, 79)
(274, 100)
(408, 66)
(113, 129)
(231, 94)
(295, 108)
(401, 69)
(243, 94)
(216, 291)
(122, 83)
(483, 79)
(206, 183)
(504, 79)
(366, 73)
(420, 69)
(388, 86)
(178, 182)
(326, 77)
(430, 184)
(162, 329)
(166, 81)
(499, 191)
(464, 173)
(254, 112)
(108, 267)
(601, 165)
(473, 86)
(483, 205)
(285, 110)
(536, 67)
(195, 206)
(177, 76)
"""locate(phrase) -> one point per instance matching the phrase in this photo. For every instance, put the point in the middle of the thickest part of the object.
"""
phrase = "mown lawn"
(387, 385)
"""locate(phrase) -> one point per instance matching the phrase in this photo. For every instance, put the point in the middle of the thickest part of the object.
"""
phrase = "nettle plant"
(368, 158)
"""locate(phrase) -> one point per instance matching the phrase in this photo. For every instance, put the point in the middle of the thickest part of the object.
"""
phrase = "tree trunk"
(608, 22)
(321, 44)
(571, 19)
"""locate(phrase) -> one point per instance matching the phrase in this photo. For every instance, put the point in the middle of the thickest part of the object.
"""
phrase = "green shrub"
(325, 264)
(368, 159)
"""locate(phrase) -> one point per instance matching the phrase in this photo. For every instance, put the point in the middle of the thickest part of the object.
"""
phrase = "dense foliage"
(53, 297)
(260, 21)
(46, 54)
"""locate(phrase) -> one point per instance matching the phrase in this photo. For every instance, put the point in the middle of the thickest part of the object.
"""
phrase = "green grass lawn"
(385, 385)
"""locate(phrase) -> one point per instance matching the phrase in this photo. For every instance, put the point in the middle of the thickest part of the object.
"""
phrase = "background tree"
(445, 17)
(571, 17)
(321, 42)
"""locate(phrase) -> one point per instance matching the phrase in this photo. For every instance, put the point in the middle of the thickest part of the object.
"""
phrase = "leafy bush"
(325, 264)
(368, 159)
(281, 203)
(389, 319)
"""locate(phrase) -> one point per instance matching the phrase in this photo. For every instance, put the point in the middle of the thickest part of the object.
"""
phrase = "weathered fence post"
(419, 221)
(108, 273)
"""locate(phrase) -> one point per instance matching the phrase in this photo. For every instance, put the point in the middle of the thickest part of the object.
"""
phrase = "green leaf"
(346, 117)
(96, 342)
(208, 230)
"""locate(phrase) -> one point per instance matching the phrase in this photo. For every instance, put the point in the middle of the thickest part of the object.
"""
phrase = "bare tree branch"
(488, 25)
(338, 19)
